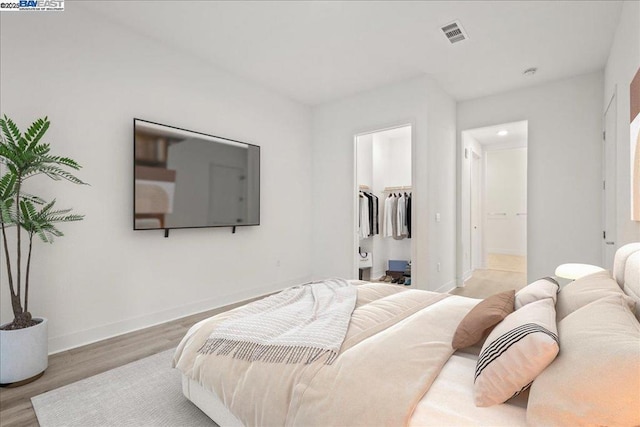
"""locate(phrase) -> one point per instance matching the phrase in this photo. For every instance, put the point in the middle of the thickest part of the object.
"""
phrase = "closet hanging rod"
(403, 187)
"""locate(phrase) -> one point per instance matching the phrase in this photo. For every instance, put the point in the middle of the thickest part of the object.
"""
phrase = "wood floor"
(484, 283)
(504, 262)
(82, 362)
(503, 272)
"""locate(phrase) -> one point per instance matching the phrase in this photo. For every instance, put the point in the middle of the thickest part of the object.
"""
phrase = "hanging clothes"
(368, 224)
(409, 215)
(407, 197)
(363, 223)
(397, 211)
(396, 221)
(403, 231)
(387, 221)
(369, 198)
(375, 224)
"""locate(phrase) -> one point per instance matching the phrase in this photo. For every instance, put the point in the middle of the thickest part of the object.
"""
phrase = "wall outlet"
(438, 217)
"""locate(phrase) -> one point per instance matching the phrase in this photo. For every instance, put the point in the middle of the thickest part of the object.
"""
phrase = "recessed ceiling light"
(502, 132)
(530, 71)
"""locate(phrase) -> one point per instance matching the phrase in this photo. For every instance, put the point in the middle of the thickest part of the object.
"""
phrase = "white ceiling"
(516, 136)
(318, 51)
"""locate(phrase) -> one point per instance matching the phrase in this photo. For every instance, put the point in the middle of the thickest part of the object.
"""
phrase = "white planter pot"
(23, 353)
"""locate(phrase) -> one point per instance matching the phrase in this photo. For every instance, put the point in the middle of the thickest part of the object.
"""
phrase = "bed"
(554, 357)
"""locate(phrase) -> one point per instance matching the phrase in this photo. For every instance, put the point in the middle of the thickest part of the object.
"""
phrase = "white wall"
(431, 111)
(564, 165)
(395, 168)
(506, 192)
(365, 160)
(365, 152)
(441, 237)
(622, 65)
(92, 78)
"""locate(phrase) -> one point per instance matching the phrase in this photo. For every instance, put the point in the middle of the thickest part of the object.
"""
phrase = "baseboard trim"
(88, 336)
(465, 276)
(450, 285)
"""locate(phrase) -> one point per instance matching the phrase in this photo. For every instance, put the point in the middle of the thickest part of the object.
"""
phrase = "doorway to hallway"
(494, 201)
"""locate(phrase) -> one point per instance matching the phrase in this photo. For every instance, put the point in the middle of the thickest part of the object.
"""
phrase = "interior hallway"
(504, 272)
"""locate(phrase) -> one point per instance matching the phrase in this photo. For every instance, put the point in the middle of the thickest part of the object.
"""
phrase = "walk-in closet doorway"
(383, 220)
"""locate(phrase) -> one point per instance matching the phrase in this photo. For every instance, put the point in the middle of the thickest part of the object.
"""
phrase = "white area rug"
(147, 392)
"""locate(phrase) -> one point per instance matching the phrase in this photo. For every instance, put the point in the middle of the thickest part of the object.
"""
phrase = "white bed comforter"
(397, 343)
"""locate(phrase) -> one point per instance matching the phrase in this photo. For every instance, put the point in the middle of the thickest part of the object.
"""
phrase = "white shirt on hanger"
(403, 228)
(387, 222)
(365, 228)
(400, 217)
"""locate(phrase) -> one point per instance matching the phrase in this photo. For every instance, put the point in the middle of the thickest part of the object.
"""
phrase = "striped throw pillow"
(517, 350)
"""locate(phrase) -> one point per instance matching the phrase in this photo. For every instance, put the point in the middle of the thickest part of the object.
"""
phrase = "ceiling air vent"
(454, 32)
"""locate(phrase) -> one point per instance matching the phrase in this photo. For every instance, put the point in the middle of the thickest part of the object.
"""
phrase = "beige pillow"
(540, 289)
(477, 324)
(516, 351)
(631, 285)
(620, 261)
(587, 289)
(596, 378)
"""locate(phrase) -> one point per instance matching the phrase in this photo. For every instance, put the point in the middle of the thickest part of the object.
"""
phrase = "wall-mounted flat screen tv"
(187, 179)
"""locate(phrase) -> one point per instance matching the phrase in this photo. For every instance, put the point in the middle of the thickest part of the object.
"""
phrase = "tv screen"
(187, 179)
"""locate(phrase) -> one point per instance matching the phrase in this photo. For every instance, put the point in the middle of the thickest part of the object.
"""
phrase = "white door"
(506, 202)
(609, 184)
(476, 247)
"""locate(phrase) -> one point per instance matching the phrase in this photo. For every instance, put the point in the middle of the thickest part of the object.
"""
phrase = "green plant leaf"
(43, 221)
(10, 130)
(7, 198)
(7, 186)
(54, 172)
(26, 155)
(35, 132)
(34, 199)
(28, 210)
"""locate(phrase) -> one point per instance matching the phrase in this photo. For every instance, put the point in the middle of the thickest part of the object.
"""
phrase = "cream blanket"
(397, 342)
(299, 324)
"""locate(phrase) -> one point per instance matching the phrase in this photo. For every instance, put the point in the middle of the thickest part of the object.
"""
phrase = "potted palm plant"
(23, 217)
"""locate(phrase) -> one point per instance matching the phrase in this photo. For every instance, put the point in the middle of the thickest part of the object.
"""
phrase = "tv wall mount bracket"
(166, 231)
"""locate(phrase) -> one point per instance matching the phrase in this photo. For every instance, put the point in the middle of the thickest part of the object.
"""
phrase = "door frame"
(476, 193)
(356, 238)
(609, 236)
(463, 225)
